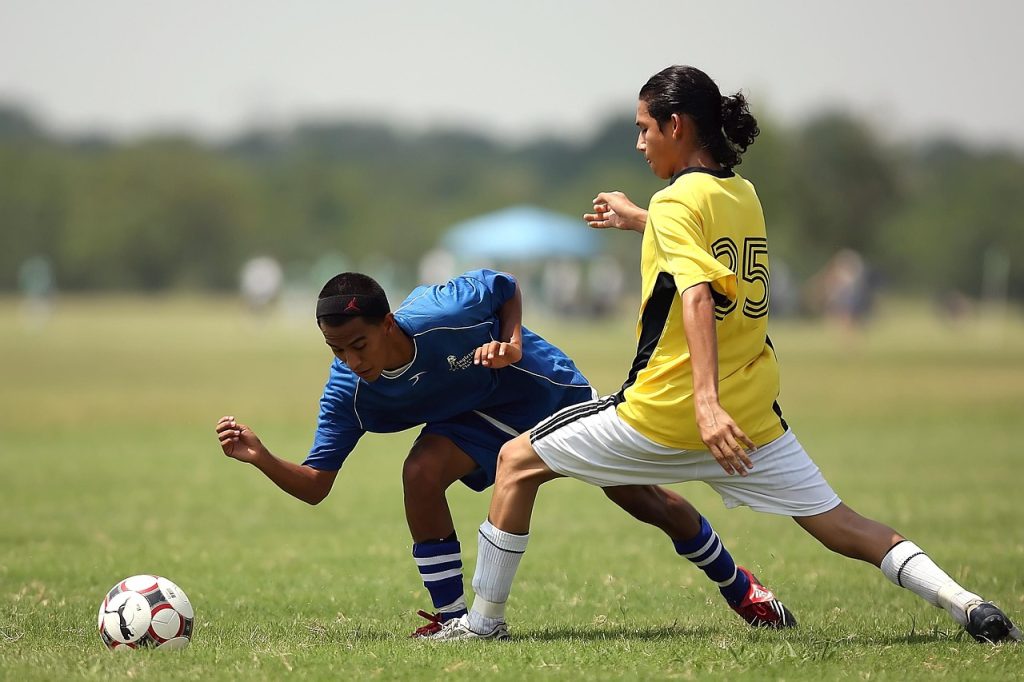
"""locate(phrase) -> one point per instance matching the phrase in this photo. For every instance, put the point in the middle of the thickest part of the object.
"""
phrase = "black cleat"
(987, 623)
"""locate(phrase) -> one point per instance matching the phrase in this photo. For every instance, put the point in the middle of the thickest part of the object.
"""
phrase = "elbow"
(698, 297)
(314, 498)
(315, 486)
(698, 293)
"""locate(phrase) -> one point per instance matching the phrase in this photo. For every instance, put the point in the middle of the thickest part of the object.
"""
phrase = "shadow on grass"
(799, 635)
(623, 633)
(569, 633)
(826, 638)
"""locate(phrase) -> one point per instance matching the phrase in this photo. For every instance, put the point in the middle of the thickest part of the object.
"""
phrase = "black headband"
(353, 305)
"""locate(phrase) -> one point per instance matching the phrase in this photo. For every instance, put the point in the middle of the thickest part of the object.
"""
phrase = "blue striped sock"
(707, 552)
(440, 566)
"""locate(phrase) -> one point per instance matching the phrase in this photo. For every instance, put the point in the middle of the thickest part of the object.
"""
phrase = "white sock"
(497, 560)
(908, 566)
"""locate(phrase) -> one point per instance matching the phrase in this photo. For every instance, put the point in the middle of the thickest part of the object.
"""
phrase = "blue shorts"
(478, 439)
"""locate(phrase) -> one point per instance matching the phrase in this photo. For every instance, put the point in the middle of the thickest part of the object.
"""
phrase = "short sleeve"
(482, 291)
(683, 250)
(338, 428)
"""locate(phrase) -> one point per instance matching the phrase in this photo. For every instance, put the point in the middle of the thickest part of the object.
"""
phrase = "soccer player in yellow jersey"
(699, 402)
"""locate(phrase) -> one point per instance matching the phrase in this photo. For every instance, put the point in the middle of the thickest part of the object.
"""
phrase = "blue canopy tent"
(521, 233)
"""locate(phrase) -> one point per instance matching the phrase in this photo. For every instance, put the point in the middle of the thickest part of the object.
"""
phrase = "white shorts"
(590, 442)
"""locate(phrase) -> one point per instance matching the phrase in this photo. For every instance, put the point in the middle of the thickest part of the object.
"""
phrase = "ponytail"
(739, 128)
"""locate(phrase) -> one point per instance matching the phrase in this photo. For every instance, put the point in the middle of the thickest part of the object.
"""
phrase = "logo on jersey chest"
(464, 362)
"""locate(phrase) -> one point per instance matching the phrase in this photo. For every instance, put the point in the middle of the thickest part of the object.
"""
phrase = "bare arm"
(509, 348)
(614, 209)
(717, 429)
(239, 442)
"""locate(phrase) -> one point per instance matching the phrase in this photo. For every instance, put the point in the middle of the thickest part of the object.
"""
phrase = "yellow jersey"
(706, 226)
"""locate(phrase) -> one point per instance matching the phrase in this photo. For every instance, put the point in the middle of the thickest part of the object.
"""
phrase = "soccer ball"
(146, 611)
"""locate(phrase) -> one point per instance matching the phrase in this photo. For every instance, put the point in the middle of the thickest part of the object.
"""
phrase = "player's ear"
(389, 323)
(678, 123)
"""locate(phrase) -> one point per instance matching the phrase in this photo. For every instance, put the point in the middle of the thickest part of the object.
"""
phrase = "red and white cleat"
(760, 608)
(457, 629)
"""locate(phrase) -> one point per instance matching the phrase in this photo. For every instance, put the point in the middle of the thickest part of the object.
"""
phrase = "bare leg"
(521, 472)
(659, 507)
(846, 532)
(433, 464)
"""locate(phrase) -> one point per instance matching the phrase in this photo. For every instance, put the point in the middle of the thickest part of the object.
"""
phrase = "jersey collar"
(398, 372)
(720, 173)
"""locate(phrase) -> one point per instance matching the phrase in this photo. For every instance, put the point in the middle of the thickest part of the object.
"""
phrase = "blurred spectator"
(785, 295)
(261, 281)
(842, 290)
(37, 286)
(605, 283)
(561, 282)
(954, 306)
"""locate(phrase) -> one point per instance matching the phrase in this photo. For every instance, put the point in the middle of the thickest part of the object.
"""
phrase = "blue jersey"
(442, 387)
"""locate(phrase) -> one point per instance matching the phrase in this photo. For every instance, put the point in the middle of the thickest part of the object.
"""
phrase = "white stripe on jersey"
(496, 424)
(541, 376)
(472, 326)
(406, 304)
(355, 397)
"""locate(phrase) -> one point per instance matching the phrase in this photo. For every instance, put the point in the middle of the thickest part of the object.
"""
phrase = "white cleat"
(458, 629)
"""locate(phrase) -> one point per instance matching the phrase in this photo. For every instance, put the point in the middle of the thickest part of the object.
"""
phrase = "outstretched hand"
(724, 438)
(498, 354)
(615, 210)
(238, 441)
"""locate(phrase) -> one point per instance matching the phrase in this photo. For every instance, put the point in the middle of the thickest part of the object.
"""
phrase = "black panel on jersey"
(652, 324)
(719, 299)
(775, 405)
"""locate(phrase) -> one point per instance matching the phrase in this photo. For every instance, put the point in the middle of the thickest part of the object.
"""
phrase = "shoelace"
(433, 626)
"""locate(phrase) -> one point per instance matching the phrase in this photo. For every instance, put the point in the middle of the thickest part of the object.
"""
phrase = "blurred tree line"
(175, 213)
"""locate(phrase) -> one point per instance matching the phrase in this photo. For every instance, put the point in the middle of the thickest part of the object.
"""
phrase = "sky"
(512, 70)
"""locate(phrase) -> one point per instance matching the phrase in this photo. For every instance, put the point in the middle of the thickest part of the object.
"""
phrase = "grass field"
(110, 468)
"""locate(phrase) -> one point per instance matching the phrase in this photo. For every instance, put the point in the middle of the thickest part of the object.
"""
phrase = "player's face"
(361, 345)
(655, 143)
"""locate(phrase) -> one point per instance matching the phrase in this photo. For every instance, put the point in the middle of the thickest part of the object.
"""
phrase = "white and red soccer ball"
(146, 611)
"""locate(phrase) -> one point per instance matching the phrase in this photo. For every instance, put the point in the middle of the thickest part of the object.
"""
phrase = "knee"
(515, 456)
(421, 474)
(519, 464)
(848, 533)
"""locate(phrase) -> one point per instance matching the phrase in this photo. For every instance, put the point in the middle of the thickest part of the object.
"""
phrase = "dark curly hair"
(725, 126)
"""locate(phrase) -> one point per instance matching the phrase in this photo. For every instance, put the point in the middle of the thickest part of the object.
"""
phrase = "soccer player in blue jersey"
(700, 400)
(456, 358)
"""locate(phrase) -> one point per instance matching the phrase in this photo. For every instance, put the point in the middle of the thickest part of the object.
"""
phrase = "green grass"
(109, 467)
